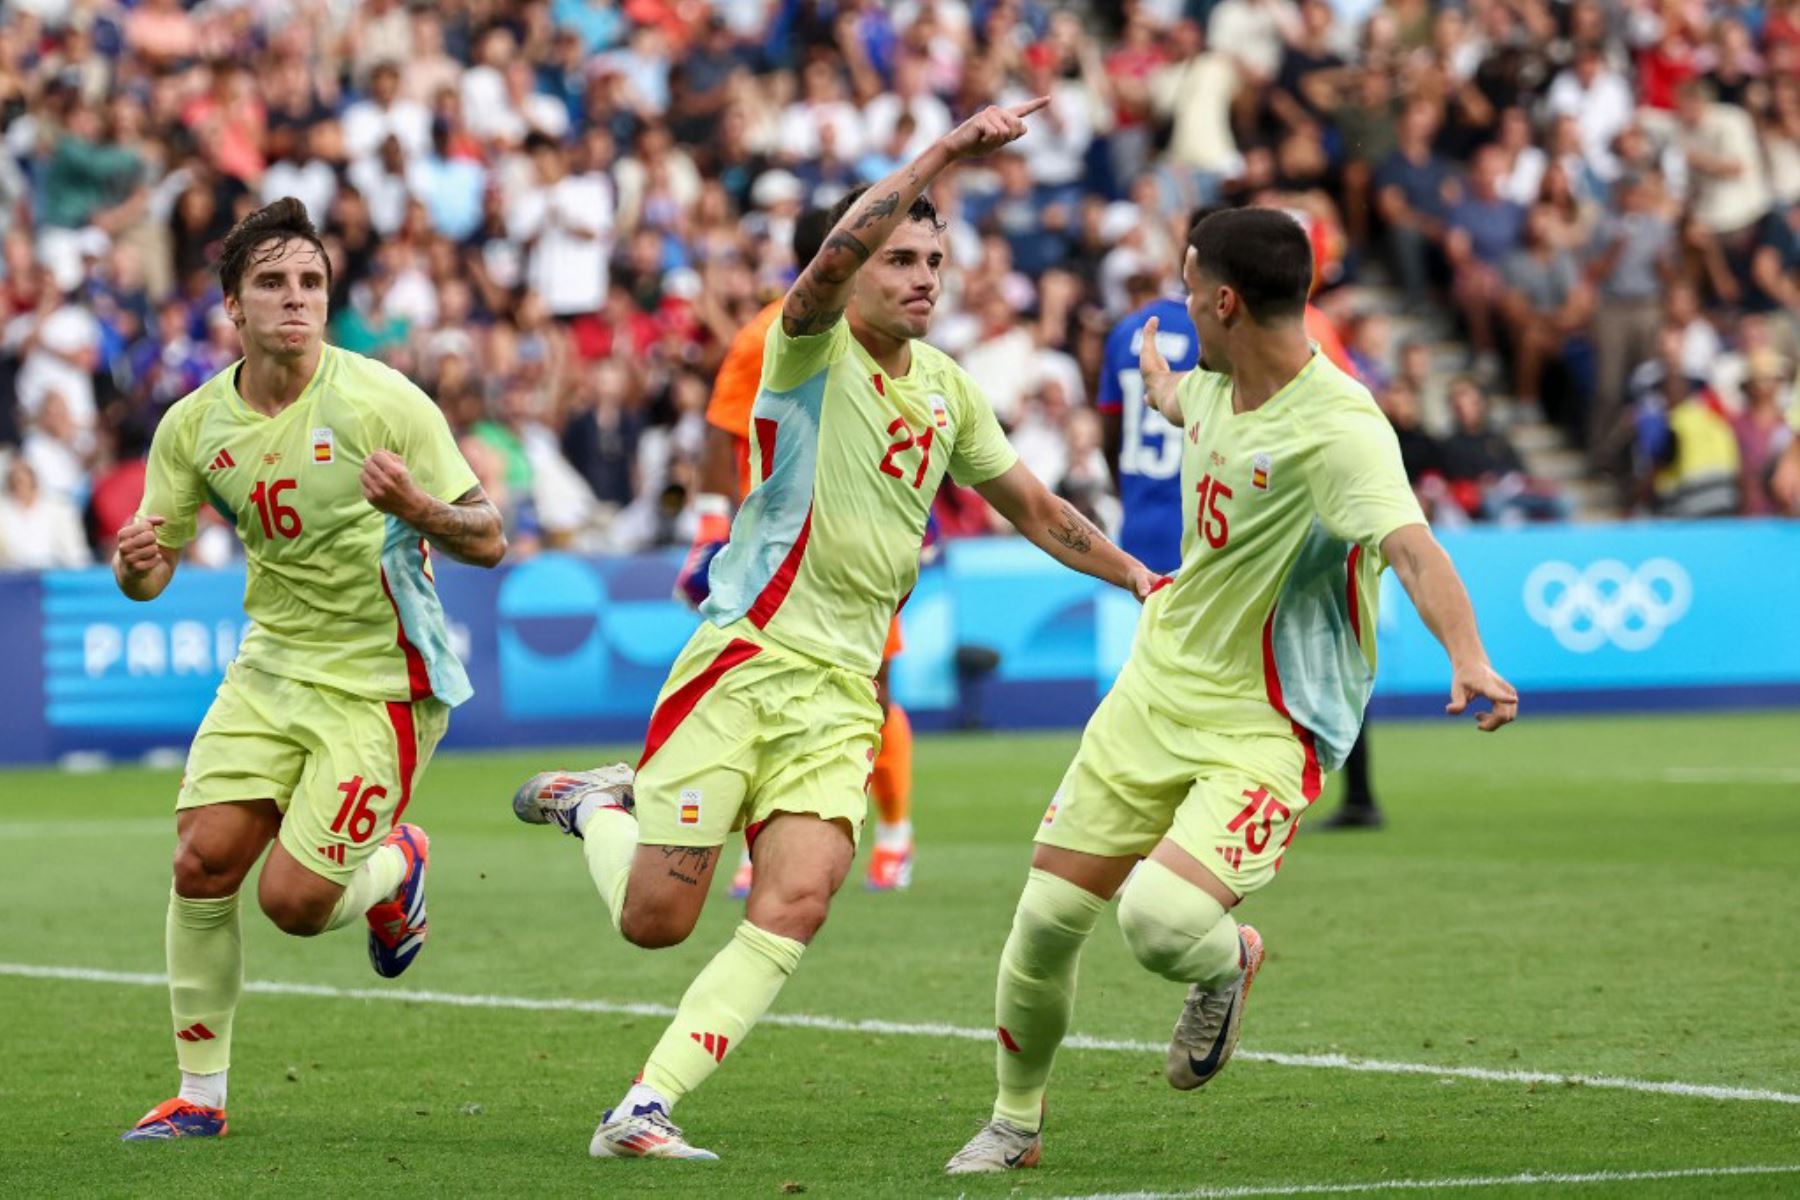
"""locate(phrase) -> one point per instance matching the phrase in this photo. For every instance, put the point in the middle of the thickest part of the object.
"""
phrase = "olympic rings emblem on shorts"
(1608, 602)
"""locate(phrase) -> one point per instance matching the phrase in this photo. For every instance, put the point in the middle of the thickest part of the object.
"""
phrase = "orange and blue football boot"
(397, 926)
(177, 1118)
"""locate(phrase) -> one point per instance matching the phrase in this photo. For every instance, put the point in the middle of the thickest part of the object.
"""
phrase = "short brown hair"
(283, 221)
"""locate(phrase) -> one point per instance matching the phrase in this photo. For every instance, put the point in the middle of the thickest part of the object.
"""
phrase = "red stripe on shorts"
(763, 611)
(406, 746)
(679, 703)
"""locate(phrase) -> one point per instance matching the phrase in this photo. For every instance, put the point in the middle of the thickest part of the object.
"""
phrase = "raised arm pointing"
(818, 298)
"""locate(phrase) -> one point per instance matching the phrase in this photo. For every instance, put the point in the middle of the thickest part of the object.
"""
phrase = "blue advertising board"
(568, 650)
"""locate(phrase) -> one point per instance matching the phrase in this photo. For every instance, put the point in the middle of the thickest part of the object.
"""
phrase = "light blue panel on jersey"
(773, 514)
(421, 613)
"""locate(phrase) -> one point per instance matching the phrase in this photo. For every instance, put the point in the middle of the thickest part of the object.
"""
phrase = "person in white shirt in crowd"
(1729, 189)
(384, 113)
(1600, 101)
(566, 222)
(1055, 146)
(382, 182)
(298, 168)
(54, 448)
(910, 96)
(822, 102)
(38, 530)
(59, 345)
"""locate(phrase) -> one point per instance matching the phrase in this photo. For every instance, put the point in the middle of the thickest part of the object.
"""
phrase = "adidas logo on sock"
(195, 1033)
(713, 1043)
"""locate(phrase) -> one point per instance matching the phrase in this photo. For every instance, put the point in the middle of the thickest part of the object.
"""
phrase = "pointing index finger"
(1029, 107)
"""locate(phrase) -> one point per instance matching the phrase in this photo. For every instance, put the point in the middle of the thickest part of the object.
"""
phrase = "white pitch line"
(1328, 1062)
(1523, 1179)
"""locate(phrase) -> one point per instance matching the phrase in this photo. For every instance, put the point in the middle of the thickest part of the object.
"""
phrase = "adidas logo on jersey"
(220, 461)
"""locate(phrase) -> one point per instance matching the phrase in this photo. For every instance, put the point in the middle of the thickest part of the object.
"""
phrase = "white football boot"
(551, 797)
(1207, 1031)
(998, 1146)
(645, 1132)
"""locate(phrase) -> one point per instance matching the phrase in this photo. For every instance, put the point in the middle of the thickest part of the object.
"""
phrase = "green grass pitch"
(1583, 897)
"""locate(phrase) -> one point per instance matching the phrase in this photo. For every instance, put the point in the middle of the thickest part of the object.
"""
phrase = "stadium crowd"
(554, 214)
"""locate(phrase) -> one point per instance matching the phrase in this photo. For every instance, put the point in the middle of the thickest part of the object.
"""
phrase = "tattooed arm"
(1062, 533)
(818, 298)
(468, 530)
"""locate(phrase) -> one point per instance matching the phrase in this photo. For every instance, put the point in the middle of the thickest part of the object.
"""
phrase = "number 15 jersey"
(1269, 626)
(338, 592)
(845, 461)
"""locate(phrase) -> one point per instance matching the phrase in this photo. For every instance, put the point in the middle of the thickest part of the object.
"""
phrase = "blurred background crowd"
(1561, 240)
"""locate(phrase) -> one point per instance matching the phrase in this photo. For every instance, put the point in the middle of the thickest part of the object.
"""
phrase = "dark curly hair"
(249, 242)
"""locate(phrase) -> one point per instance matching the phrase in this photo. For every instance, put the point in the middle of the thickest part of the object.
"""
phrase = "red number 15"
(1210, 522)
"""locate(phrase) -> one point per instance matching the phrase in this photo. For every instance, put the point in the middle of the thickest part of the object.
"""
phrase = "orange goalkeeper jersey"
(734, 391)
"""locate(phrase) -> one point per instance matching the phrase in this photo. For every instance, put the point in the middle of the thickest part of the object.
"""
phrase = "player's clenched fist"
(138, 551)
(990, 129)
(387, 485)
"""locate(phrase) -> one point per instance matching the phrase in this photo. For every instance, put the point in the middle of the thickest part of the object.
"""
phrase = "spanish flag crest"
(1259, 472)
(324, 445)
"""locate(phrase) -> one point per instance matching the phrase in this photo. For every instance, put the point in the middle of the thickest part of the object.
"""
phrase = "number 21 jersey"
(845, 461)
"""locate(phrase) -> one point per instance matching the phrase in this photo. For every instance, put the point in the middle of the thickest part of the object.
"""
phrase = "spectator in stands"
(1696, 459)
(38, 530)
(1193, 94)
(1485, 228)
(1762, 430)
(564, 223)
(1414, 190)
(1547, 304)
(1724, 162)
(1486, 475)
(1599, 100)
(1422, 454)
(1631, 262)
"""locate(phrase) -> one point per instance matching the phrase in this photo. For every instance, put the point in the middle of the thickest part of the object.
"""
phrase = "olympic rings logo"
(1608, 602)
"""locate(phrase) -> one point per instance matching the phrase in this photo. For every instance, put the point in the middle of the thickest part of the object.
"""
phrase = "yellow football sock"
(205, 944)
(725, 1000)
(609, 840)
(1035, 996)
(377, 879)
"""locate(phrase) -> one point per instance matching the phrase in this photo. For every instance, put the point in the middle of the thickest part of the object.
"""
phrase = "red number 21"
(906, 441)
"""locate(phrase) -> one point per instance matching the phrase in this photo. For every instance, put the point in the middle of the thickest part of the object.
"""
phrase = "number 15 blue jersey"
(1150, 447)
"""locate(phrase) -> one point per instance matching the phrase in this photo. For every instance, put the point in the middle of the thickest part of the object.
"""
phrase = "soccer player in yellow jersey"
(768, 721)
(1247, 681)
(725, 480)
(337, 473)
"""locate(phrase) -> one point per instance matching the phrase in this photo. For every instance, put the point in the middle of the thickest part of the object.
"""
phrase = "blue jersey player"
(1148, 448)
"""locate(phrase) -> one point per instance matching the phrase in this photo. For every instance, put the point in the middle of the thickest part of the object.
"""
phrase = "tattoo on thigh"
(688, 863)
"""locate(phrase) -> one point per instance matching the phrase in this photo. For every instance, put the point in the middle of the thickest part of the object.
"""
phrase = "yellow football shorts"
(1233, 801)
(744, 730)
(341, 768)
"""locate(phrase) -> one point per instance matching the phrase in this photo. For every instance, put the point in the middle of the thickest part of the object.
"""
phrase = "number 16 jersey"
(845, 461)
(338, 592)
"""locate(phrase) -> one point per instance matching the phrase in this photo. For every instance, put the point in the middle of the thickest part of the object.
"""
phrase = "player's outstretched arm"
(468, 530)
(141, 567)
(1159, 380)
(818, 298)
(1437, 591)
(1064, 534)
